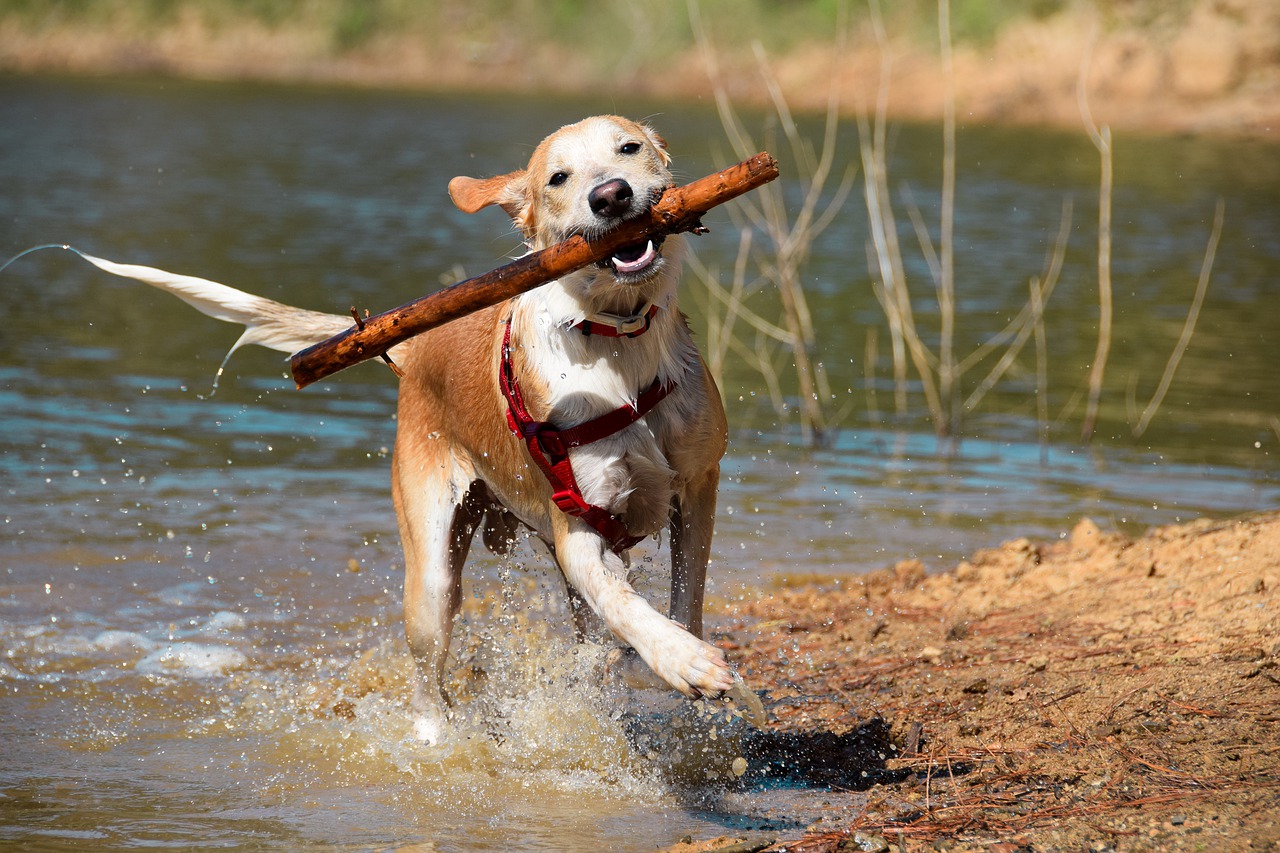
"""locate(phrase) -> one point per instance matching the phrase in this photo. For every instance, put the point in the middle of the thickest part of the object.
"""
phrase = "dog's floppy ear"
(474, 194)
(658, 142)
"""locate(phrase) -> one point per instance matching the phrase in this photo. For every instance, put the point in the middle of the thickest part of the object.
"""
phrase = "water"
(200, 594)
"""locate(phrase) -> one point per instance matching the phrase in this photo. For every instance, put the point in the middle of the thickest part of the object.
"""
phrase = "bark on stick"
(679, 209)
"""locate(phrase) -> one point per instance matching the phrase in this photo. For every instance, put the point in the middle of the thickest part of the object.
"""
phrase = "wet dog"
(580, 410)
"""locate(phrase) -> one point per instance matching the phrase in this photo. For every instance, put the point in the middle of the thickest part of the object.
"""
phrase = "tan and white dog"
(580, 410)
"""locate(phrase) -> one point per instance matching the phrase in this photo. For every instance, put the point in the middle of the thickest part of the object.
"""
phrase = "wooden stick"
(680, 209)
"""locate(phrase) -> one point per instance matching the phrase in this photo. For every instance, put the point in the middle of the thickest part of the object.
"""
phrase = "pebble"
(870, 843)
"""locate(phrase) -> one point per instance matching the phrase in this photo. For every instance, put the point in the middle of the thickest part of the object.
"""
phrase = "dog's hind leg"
(438, 517)
(692, 524)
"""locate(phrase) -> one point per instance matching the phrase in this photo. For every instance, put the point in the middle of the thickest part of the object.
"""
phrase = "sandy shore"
(1095, 693)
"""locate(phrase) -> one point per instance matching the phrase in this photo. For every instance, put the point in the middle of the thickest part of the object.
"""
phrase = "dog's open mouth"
(635, 260)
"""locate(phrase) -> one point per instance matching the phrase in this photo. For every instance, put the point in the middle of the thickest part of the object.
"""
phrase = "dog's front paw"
(430, 727)
(693, 667)
(429, 730)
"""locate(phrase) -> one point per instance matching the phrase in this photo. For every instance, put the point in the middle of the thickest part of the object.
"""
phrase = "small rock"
(1039, 663)
(931, 653)
(979, 686)
(868, 843)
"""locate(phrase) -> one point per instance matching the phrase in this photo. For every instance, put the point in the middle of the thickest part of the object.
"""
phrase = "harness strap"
(549, 447)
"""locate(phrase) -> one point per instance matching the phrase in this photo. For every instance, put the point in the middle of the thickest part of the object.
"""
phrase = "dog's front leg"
(680, 659)
(437, 522)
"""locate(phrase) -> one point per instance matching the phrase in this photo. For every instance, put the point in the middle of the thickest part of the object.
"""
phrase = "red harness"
(550, 446)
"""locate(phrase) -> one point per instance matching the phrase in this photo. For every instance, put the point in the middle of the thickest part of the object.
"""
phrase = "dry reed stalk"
(892, 290)
(883, 231)
(1188, 328)
(1101, 139)
(790, 233)
(1042, 368)
(722, 320)
(1029, 319)
(947, 378)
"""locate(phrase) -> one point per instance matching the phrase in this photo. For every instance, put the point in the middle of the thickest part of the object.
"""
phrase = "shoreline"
(1098, 692)
(1215, 73)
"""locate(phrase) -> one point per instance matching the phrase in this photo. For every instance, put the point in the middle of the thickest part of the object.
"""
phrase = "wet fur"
(457, 468)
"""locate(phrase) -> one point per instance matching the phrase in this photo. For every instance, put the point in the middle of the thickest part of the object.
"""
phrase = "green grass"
(607, 34)
(593, 25)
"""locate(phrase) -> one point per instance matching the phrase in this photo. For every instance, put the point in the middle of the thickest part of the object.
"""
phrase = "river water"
(199, 592)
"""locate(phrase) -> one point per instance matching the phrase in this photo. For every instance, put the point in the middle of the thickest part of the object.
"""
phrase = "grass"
(653, 32)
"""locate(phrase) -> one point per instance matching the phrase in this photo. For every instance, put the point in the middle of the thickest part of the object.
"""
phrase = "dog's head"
(583, 179)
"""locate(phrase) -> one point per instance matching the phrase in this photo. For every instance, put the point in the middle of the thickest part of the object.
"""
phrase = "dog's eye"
(557, 179)
(630, 148)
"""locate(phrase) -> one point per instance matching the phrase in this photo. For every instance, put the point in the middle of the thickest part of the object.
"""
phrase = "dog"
(581, 411)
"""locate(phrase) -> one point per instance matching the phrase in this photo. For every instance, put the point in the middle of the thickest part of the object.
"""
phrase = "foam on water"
(192, 660)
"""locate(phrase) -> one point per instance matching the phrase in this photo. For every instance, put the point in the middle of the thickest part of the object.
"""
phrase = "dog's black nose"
(611, 199)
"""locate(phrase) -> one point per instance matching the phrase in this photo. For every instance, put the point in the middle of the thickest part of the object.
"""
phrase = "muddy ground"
(1091, 694)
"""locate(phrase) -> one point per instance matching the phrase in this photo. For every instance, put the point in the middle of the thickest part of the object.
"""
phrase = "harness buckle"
(619, 326)
(631, 327)
(568, 502)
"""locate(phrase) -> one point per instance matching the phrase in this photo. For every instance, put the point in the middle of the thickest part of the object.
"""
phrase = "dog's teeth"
(645, 259)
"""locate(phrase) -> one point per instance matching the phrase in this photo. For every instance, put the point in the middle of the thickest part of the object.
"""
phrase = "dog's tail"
(267, 323)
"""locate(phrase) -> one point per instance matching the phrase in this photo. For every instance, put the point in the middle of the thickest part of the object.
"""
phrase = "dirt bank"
(1095, 693)
(1208, 67)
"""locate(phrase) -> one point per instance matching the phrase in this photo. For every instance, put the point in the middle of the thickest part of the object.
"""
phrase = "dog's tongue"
(631, 259)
